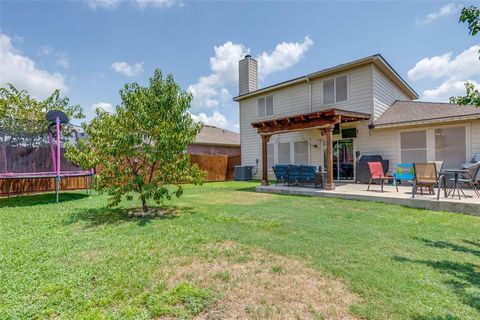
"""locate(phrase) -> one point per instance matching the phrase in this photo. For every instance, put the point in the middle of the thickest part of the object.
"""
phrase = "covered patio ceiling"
(324, 120)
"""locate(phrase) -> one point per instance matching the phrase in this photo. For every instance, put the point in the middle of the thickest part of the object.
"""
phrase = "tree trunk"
(144, 204)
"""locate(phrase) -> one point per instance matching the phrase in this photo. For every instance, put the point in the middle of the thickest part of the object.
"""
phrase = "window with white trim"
(413, 146)
(270, 155)
(300, 150)
(451, 146)
(265, 106)
(335, 90)
(283, 153)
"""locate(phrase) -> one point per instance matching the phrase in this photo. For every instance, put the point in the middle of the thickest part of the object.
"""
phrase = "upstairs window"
(335, 90)
(265, 106)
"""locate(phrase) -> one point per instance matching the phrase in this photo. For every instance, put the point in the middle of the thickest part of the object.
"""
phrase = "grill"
(363, 171)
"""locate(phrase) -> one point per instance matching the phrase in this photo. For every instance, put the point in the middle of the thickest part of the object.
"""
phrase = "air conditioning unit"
(243, 173)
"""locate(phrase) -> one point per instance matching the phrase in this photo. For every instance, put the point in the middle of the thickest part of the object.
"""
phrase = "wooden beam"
(297, 126)
(330, 185)
(265, 139)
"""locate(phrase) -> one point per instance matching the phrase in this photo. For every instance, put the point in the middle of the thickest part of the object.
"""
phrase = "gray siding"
(247, 75)
(385, 93)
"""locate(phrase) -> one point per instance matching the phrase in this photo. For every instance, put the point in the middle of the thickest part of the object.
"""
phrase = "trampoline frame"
(56, 173)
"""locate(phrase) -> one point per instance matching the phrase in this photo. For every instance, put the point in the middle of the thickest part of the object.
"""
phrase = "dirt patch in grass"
(255, 284)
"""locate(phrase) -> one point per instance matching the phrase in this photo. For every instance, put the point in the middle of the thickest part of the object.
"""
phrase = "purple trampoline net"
(32, 149)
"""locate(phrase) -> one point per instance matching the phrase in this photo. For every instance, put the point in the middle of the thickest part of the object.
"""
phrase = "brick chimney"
(248, 75)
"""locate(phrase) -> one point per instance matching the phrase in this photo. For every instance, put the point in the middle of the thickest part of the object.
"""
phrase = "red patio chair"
(376, 173)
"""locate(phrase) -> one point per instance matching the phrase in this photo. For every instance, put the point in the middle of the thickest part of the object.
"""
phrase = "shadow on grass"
(39, 199)
(110, 216)
(453, 246)
(464, 278)
(248, 189)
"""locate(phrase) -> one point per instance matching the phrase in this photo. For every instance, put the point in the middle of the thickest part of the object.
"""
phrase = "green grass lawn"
(224, 249)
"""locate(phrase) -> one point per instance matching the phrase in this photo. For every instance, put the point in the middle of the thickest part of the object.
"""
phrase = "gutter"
(425, 121)
(309, 94)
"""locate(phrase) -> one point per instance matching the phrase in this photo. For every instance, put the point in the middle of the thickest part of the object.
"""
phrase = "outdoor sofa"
(298, 175)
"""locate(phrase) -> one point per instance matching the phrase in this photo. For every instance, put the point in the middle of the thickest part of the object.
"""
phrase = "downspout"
(309, 94)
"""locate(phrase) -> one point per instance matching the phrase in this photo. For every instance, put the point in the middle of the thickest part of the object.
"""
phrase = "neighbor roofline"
(375, 59)
(216, 144)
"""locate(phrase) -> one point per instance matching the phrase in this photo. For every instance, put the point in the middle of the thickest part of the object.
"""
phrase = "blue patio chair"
(308, 175)
(294, 174)
(405, 171)
(281, 173)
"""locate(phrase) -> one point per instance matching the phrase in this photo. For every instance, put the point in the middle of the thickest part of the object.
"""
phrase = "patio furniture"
(377, 173)
(426, 176)
(465, 176)
(309, 175)
(281, 173)
(404, 172)
(438, 166)
(362, 171)
(475, 160)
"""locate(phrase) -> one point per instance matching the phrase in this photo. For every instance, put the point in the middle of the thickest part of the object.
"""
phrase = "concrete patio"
(353, 191)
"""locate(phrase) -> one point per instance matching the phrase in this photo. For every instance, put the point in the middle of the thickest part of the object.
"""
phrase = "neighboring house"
(362, 106)
(213, 140)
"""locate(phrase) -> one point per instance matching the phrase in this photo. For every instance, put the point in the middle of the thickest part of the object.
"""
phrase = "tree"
(142, 147)
(18, 105)
(471, 16)
(24, 116)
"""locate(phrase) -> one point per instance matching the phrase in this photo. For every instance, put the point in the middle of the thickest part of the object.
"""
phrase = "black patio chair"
(470, 178)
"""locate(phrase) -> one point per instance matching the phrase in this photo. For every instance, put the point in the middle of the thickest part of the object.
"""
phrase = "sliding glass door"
(343, 159)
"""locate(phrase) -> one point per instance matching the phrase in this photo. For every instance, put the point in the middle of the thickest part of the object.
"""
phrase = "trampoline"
(33, 150)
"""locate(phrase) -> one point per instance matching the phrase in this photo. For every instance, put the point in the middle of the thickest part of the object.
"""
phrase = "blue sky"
(91, 48)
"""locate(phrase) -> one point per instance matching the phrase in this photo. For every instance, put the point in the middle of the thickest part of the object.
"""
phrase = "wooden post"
(265, 139)
(329, 185)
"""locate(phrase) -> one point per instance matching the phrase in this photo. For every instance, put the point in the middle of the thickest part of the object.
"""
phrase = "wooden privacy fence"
(19, 186)
(218, 168)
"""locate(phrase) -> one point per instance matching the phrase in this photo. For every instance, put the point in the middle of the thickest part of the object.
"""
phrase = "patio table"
(456, 186)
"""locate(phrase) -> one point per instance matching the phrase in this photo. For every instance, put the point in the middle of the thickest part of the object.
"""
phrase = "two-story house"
(362, 107)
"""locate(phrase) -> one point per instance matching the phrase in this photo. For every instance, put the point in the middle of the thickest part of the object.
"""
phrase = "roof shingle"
(409, 112)
(211, 135)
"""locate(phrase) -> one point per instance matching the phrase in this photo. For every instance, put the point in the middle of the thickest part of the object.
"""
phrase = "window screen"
(328, 91)
(413, 145)
(301, 152)
(284, 153)
(450, 146)
(261, 107)
(270, 158)
(341, 89)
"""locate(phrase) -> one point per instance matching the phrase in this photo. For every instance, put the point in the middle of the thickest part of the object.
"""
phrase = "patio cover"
(324, 120)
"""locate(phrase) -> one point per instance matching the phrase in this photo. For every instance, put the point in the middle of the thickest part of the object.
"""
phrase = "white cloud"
(444, 11)
(217, 119)
(454, 71)
(158, 3)
(211, 91)
(60, 56)
(285, 55)
(446, 90)
(464, 65)
(22, 72)
(141, 4)
(105, 106)
(126, 69)
(106, 4)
